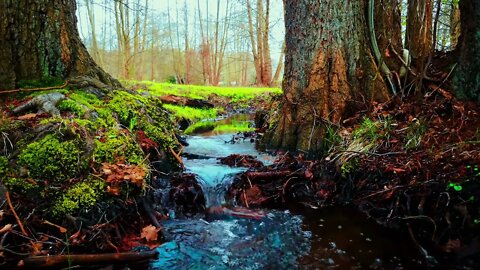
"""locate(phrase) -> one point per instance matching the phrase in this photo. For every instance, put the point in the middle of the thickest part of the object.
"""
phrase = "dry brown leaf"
(150, 233)
(27, 116)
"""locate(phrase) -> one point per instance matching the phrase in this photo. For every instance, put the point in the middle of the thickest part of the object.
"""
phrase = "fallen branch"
(34, 89)
(270, 175)
(87, 259)
(185, 101)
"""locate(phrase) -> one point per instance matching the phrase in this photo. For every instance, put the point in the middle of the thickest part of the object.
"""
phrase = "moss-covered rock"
(52, 159)
(84, 194)
(90, 163)
(115, 147)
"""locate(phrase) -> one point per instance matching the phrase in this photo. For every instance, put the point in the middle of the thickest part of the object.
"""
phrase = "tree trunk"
(467, 77)
(418, 39)
(329, 71)
(454, 24)
(40, 39)
(388, 26)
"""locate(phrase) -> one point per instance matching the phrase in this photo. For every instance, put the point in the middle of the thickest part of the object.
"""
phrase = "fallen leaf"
(150, 233)
(27, 116)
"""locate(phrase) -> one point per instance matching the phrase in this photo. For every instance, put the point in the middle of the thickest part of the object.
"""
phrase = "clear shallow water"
(215, 178)
(334, 238)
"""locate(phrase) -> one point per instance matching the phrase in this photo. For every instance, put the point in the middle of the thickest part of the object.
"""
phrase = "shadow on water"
(332, 238)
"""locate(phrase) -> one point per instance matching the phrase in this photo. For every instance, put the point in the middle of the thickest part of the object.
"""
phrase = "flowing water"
(334, 238)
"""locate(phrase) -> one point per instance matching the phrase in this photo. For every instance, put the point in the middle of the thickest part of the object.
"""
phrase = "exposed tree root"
(44, 104)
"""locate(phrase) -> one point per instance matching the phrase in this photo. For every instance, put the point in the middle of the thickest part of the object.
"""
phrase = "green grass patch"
(237, 94)
(219, 127)
(192, 114)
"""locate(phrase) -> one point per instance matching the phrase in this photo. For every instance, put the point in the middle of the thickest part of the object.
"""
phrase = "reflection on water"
(334, 238)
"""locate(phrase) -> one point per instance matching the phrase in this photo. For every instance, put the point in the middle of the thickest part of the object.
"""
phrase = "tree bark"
(40, 39)
(418, 39)
(467, 77)
(454, 24)
(388, 26)
(329, 71)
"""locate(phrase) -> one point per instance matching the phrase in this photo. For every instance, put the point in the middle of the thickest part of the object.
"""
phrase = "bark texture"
(388, 28)
(329, 71)
(40, 39)
(418, 38)
(467, 77)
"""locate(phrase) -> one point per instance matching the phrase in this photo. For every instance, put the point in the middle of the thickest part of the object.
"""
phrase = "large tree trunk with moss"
(330, 71)
(467, 77)
(40, 39)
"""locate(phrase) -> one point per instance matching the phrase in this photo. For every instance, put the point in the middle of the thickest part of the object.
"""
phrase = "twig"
(245, 199)
(24, 232)
(34, 89)
(177, 156)
(7, 195)
(83, 259)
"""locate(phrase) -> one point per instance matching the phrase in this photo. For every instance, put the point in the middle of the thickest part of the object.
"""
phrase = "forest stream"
(331, 238)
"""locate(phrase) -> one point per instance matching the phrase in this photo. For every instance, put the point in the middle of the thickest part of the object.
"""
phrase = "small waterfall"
(214, 179)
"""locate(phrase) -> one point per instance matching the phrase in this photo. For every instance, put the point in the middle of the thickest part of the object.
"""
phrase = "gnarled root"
(44, 104)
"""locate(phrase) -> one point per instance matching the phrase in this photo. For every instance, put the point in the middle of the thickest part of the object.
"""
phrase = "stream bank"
(410, 164)
(290, 237)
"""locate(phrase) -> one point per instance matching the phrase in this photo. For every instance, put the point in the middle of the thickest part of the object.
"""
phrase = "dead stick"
(19, 222)
(87, 259)
(177, 156)
(33, 89)
(245, 198)
(15, 214)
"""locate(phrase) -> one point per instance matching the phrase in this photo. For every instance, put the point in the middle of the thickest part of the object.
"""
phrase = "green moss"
(19, 185)
(81, 195)
(127, 106)
(146, 113)
(3, 166)
(117, 147)
(51, 159)
(72, 106)
(349, 167)
(86, 99)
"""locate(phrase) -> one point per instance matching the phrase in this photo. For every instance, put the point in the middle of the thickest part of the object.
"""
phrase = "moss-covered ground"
(90, 165)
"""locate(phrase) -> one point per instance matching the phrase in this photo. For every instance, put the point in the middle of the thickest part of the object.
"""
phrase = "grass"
(192, 114)
(236, 94)
(219, 127)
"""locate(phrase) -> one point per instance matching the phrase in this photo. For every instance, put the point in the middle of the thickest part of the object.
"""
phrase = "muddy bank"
(411, 165)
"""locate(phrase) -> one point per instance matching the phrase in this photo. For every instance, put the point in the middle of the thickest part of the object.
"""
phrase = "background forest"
(233, 42)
